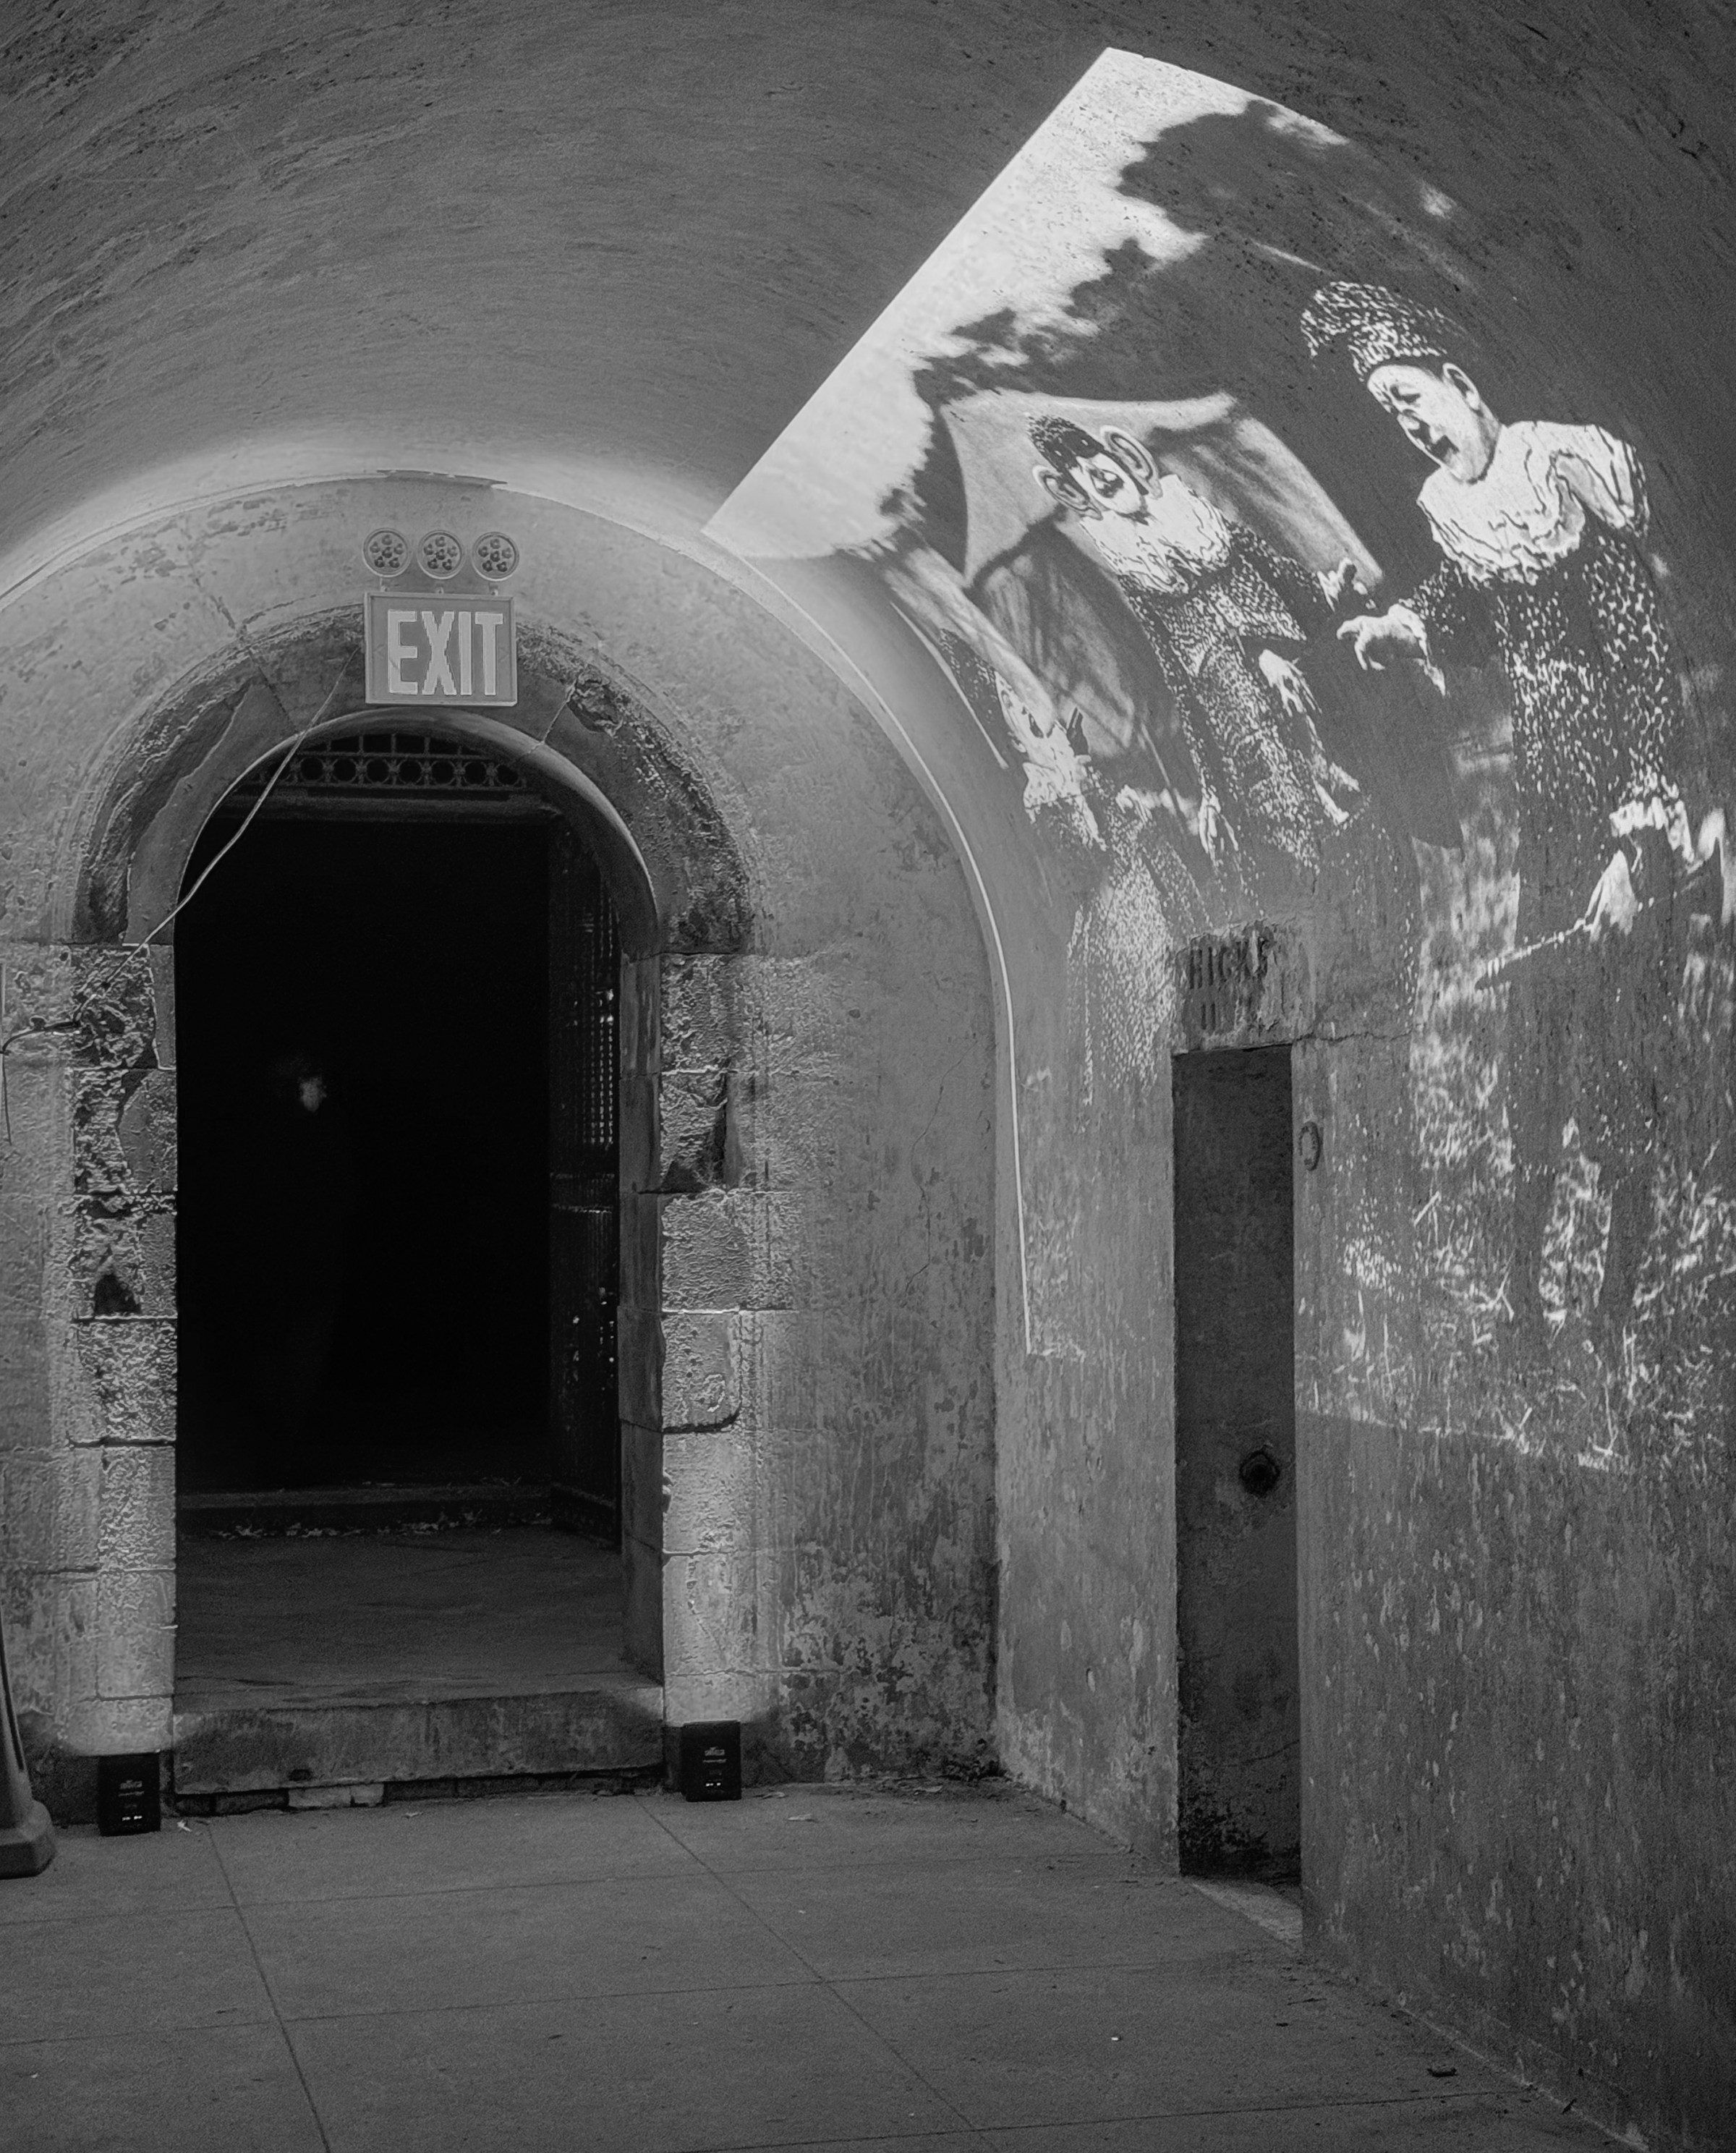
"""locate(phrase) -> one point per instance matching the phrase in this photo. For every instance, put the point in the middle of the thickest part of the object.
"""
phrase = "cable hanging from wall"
(98, 990)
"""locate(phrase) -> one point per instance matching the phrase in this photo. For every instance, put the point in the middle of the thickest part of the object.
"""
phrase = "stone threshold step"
(376, 1509)
(615, 1726)
(374, 1794)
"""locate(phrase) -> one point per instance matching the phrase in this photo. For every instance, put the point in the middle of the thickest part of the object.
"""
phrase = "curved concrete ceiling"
(605, 251)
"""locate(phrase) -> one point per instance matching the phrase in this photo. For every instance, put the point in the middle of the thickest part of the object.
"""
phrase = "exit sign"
(431, 651)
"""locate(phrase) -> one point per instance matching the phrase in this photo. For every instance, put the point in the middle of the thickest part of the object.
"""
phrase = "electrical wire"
(97, 989)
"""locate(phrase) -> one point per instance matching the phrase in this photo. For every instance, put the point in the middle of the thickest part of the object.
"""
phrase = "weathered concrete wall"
(1085, 1479)
(1519, 1681)
(1519, 1233)
(1510, 1820)
(813, 1402)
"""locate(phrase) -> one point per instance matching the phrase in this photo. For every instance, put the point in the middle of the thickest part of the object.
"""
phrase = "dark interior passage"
(362, 1032)
(1240, 1799)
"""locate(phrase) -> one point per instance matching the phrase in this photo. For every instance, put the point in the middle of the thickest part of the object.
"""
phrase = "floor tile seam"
(493, 1887)
(295, 2061)
(287, 2038)
(874, 2032)
(723, 1878)
(139, 2032)
(1095, 1963)
(885, 2041)
(813, 1978)
(1461, 2095)
(889, 2138)
(1090, 1852)
(18, 1922)
(782, 1802)
(1372, 2101)
(843, 2002)
(544, 1999)
(663, 1827)
(987, 2130)
(232, 1892)
(995, 2131)
(277, 2016)
(999, 1865)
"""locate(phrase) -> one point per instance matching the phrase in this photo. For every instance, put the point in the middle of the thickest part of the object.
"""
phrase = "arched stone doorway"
(481, 786)
(808, 1255)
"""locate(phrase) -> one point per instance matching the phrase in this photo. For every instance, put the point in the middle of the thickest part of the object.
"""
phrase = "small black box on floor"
(129, 1794)
(711, 1760)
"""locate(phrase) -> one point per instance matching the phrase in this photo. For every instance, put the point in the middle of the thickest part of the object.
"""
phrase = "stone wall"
(807, 1403)
(87, 1180)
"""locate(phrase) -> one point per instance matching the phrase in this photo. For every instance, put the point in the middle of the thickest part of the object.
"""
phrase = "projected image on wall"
(1257, 581)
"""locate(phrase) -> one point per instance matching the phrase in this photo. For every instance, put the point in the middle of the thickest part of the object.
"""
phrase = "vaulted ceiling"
(605, 250)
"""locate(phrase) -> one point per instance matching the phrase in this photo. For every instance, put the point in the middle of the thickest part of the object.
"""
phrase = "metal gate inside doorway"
(583, 1189)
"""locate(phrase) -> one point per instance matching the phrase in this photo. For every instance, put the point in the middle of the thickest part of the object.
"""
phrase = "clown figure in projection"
(1142, 900)
(1138, 901)
(1226, 614)
(1538, 528)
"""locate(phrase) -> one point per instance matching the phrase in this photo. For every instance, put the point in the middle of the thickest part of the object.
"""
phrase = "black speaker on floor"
(129, 1794)
(711, 1760)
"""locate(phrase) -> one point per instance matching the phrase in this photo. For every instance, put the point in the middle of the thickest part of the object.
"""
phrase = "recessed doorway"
(397, 1243)
(361, 1032)
(1239, 1748)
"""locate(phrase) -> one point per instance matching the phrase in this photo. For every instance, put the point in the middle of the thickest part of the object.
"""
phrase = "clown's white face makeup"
(1441, 413)
(1110, 484)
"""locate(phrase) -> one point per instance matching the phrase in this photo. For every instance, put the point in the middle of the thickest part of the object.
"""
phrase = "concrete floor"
(379, 1617)
(807, 1968)
(356, 1657)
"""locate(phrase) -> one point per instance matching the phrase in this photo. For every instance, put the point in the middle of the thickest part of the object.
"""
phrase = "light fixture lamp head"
(440, 562)
(387, 553)
(439, 555)
(494, 556)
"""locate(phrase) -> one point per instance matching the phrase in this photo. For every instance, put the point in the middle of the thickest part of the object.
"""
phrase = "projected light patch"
(1223, 570)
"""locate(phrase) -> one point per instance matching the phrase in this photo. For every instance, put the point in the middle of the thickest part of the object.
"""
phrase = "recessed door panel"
(1239, 1800)
(584, 1198)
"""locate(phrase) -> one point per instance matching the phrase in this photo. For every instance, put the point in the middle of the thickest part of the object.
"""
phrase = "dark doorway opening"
(395, 1032)
(1239, 1689)
(396, 1043)
(361, 1035)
